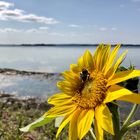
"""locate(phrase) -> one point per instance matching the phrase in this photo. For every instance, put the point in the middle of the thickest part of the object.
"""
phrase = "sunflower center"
(92, 92)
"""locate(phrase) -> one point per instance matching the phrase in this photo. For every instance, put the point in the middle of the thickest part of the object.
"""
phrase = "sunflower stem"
(134, 124)
(126, 126)
(92, 134)
(125, 129)
(131, 114)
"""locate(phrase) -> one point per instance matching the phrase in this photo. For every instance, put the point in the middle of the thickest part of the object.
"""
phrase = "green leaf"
(39, 122)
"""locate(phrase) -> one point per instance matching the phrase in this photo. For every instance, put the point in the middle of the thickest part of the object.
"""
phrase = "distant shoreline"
(62, 45)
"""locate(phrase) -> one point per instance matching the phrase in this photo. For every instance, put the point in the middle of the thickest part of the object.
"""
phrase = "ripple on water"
(34, 85)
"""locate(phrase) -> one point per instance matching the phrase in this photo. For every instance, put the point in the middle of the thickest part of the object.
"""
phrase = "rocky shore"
(7, 100)
(8, 71)
(28, 83)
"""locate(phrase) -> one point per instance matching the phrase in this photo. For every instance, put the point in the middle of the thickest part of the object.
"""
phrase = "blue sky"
(69, 21)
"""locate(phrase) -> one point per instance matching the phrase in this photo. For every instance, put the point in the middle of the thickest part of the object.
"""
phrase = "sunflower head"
(87, 80)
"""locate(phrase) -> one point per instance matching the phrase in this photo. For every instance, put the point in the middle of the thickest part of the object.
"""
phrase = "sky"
(69, 21)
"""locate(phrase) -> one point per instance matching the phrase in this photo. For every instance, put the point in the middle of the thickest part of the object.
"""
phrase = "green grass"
(16, 115)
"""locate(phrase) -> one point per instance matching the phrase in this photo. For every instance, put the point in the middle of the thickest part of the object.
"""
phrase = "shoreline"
(10, 71)
(26, 84)
(7, 100)
(62, 44)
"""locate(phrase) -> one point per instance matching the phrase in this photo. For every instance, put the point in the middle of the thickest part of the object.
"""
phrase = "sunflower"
(87, 88)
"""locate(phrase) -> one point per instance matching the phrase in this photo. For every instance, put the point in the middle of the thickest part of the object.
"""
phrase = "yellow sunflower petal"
(88, 61)
(71, 77)
(66, 90)
(116, 65)
(97, 56)
(59, 98)
(120, 93)
(65, 121)
(119, 61)
(98, 50)
(85, 120)
(104, 118)
(81, 62)
(104, 57)
(122, 76)
(67, 87)
(75, 68)
(65, 84)
(133, 98)
(60, 110)
(73, 134)
(98, 61)
(101, 57)
(98, 130)
(111, 59)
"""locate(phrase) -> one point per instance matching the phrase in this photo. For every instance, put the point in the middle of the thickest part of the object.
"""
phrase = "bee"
(84, 75)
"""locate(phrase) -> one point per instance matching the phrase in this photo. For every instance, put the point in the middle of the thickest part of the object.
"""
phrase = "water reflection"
(34, 85)
(52, 59)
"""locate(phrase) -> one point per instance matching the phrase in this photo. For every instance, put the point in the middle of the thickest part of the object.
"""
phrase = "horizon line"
(66, 44)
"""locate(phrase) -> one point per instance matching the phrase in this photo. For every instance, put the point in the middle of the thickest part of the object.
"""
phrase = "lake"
(53, 59)
(45, 59)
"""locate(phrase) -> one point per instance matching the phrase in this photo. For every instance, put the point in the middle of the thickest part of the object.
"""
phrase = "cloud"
(56, 34)
(105, 29)
(40, 29)
(11, 14)
(20, 15)
(38, 19)
(102, 28)
(14, 30)
(43, 28)
(10, 30)
(74, 26)
(5, 5)
(113, 28)
(31, 30)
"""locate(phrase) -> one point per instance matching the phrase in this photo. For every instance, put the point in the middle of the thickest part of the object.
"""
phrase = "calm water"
(44, 59)
(52, 59)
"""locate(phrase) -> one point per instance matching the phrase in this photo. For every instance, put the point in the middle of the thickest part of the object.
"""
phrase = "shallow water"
(29, 86)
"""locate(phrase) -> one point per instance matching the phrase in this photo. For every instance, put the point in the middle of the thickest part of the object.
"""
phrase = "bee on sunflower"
(87, 88)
